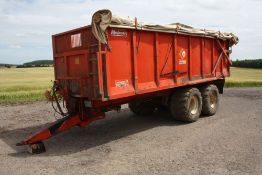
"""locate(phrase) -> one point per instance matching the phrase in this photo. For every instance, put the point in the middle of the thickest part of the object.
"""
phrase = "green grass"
(29, 84)
(24, 84)
(243, 77)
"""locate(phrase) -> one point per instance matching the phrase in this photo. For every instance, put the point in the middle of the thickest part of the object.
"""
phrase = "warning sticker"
(76, 40)
(121, 83)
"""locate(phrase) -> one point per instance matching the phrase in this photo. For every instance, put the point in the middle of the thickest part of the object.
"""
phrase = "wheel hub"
(213, 100)
(193, 106)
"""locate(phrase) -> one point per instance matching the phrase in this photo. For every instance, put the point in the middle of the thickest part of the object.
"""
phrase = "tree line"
(37, 63)
(257, 64)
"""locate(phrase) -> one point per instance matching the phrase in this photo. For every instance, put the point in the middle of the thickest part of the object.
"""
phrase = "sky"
(26, 26)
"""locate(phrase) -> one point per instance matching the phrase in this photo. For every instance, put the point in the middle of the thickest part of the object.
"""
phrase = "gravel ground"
(228, 143)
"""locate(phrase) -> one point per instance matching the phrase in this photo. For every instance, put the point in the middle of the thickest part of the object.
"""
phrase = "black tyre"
(162, 108)
(186, 105)
(210, 100)
(142, 108)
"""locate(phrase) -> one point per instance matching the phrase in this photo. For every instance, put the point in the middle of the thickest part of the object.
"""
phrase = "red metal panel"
(195, 63)
(134, 51)
(217, 52)
(182, 56)
(63, 42)
(166, 61)
(145, 61)
(120, 62)
(60, 66)
(75, 57)
(208, 55)
(226, 64)
(139, 62)
(174, 57)
(202, 56)
(189, 59)
(157, 75)
(78, 66)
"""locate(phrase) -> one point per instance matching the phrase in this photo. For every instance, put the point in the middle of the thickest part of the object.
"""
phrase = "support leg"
(36, 148)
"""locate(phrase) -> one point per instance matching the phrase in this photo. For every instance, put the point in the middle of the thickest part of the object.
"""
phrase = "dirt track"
(227, 143)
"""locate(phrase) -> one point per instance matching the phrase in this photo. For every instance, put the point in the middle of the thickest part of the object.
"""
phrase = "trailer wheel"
(186, 105)
(141, 108)
(210, 99)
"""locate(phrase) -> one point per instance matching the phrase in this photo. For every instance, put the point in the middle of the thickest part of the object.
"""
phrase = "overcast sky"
(26, 26)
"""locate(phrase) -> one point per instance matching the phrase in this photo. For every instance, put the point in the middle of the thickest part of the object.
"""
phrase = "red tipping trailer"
(116, 61)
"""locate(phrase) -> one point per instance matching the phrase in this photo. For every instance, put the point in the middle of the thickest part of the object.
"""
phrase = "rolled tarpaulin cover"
(104, 18)
(100, 21)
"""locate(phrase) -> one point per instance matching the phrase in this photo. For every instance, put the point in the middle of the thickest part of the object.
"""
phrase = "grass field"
(29, 84)
(24, 84)
(242, 77)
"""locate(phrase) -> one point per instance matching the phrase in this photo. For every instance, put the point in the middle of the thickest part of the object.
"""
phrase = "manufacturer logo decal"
(118, 33)
(182, 55)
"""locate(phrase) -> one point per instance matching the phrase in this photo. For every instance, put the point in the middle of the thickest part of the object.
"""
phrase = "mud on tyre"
(186, 105)
(210, 100)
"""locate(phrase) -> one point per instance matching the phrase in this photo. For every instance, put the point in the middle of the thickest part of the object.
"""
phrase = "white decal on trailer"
(76, 40)
(121, 83)
(118, 33)
(182, 59)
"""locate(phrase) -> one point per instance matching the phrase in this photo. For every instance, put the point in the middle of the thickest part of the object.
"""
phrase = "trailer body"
(138, 63)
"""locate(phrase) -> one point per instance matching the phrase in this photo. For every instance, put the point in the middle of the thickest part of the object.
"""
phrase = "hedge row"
(257, 64)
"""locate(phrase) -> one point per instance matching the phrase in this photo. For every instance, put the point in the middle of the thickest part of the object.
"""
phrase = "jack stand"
(36, 148)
